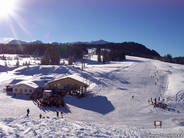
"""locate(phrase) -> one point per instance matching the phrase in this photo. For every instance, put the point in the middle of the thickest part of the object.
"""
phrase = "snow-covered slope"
(108, 111)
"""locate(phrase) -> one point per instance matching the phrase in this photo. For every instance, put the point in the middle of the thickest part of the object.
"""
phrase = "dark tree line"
(111, 54)
(66, 50)
(170, 59)
(33, 49)
(51, 53)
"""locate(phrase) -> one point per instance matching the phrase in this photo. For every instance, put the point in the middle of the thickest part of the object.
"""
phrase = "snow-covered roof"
(74, 77)
(28, 83)
(47, 91)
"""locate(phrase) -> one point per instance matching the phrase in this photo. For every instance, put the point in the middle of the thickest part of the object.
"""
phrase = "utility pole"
(83, 63)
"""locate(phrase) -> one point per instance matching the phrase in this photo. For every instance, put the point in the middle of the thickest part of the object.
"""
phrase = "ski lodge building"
(69, 84)
(72, 85)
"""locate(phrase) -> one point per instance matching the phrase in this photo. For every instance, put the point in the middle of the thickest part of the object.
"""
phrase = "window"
(16, 89)
(30, 90)
(25, 90)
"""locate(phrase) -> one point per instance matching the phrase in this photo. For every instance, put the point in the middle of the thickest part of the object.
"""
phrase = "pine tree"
(70, 60)
(51, 56)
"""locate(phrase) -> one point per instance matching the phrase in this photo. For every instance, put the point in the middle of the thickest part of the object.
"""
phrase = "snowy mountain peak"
(36, 42)
(20, 42)
(17, 42)
(99, 42)
(55, 43)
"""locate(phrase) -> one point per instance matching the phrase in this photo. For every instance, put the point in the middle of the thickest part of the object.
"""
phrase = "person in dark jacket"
(40, 116)
(61, 114)
(28, 112)
(57, 113)
(155, 100)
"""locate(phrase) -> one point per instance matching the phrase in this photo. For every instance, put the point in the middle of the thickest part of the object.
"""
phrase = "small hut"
(24, 87)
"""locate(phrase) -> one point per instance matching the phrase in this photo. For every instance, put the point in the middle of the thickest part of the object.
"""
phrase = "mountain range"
(20, 42)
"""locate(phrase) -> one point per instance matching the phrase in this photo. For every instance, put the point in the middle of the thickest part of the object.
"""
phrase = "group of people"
(158, 102)
(40, 116)
(44, 100)
(154, 101)
(61, 114)
(51, 101)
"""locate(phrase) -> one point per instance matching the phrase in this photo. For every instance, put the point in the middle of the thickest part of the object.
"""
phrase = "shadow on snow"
(19, 97)
(65, 109)
(99, 104)
(122, 89)
(5, 69)
(132, 60)
(42, 70)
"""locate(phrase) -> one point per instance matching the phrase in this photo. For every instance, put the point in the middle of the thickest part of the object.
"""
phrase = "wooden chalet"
(70, 84)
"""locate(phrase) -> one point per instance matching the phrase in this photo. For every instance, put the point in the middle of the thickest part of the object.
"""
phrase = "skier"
(57, 113)
(155, 100)
(40, 116)
(151, 101)
(61, 114)
(28, 112)
(159, 99)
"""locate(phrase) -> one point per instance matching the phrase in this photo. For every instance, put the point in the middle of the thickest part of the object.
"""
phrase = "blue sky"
(157, 24)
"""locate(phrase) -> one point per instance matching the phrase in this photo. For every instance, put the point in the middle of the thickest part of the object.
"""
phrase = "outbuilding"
(24, 87)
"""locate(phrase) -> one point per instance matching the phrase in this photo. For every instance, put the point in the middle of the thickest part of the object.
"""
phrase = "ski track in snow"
(60, 128)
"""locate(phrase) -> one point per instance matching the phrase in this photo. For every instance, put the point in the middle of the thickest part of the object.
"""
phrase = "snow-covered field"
(108, 111)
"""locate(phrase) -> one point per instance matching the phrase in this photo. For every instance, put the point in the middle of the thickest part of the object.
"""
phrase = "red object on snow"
(62, 103)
